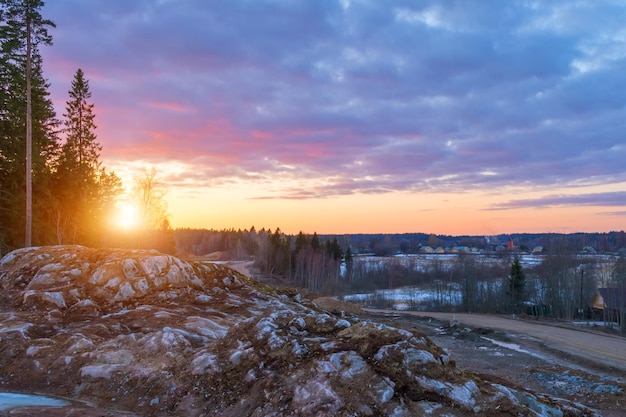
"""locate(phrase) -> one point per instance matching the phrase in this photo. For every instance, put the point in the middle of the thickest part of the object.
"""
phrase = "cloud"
(356, 97)
(607, 199)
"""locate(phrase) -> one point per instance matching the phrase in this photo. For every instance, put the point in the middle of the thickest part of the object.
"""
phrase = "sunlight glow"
(127, 215)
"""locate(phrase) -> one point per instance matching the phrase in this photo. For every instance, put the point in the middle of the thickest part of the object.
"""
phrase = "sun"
(127, 215)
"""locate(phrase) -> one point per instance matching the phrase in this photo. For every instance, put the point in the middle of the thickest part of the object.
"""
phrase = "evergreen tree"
(80, 140)
(301, 242)
(22, 30)
(517, 285)
(349, 255)
(349, 264)
(84, 190)
(315, 242)
(335, 250)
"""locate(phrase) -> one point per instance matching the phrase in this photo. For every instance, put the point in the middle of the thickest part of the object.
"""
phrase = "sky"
(478, 117)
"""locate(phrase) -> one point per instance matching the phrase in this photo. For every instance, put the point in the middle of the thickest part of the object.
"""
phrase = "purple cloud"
(608, 199)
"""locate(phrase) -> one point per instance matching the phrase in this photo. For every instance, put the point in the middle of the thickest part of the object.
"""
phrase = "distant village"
(508, 246)
(613, 243)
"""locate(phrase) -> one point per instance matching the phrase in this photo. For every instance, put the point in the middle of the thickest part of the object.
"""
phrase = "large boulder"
(144, 333)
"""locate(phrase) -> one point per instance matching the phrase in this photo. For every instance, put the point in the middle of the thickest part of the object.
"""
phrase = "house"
(537, 249)
(460, 249)
(589, 249)
(608, 302)
(426, 249)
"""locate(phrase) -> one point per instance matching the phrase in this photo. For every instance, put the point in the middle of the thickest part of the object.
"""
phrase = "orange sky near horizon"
(241, 205)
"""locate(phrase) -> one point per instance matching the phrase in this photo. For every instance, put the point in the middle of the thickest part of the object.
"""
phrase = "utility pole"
(582, 277)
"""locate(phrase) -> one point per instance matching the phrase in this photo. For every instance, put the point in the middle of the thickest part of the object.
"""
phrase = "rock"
(149, 334)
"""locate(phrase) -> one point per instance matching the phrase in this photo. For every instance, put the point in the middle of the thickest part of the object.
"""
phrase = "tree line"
(560, 286)
(53, 186)
(304, 260)
(410, 243)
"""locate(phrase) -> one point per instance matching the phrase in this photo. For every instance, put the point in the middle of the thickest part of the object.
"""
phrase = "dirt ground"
(581, 365)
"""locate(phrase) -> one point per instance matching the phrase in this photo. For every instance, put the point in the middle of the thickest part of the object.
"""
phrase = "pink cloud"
(172, 106)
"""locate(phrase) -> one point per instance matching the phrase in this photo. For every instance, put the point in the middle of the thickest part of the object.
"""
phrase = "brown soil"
(334, 305)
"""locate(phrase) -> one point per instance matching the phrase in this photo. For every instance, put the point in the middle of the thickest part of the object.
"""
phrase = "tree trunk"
(29, 142)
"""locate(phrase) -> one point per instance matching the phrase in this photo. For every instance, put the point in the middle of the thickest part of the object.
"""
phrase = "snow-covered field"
(425, 262)
(409, 298)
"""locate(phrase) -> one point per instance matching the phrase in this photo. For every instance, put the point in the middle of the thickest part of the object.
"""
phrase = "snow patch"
(299, 323)
(299, 350)
(204, 362)
(385, 390)
(513, 346)
(241, 351)
(80, 343)
(55, 298)
(356, 365)
(316, 398)
(412, 356)
(167, 340)
(125, 292)
(204, 298)
(206, 327)
(103, 371)
(342, 324)
(267, 328)
(464, 394)
(21, 328)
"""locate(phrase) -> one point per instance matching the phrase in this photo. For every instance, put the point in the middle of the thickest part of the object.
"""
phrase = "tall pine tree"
(517, 285)
(83, 189)
(22, 31)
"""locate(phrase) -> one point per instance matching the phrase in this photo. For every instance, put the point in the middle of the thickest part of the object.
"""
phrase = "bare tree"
(150, 196)
(559, 283)
(619, 281)
(155, 230)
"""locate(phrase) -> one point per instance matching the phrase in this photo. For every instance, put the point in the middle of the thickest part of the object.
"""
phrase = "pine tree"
(84, 190)
(301, 242)
(517, 285)
(22, 31)
(80, 140)
(315, 242)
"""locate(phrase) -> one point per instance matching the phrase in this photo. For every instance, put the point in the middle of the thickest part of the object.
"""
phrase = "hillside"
(124, 332)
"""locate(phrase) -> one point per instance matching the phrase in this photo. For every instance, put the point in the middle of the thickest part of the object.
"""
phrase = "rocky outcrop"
(138, 332)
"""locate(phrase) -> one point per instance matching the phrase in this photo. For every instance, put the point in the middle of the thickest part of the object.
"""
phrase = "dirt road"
(599, 349)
